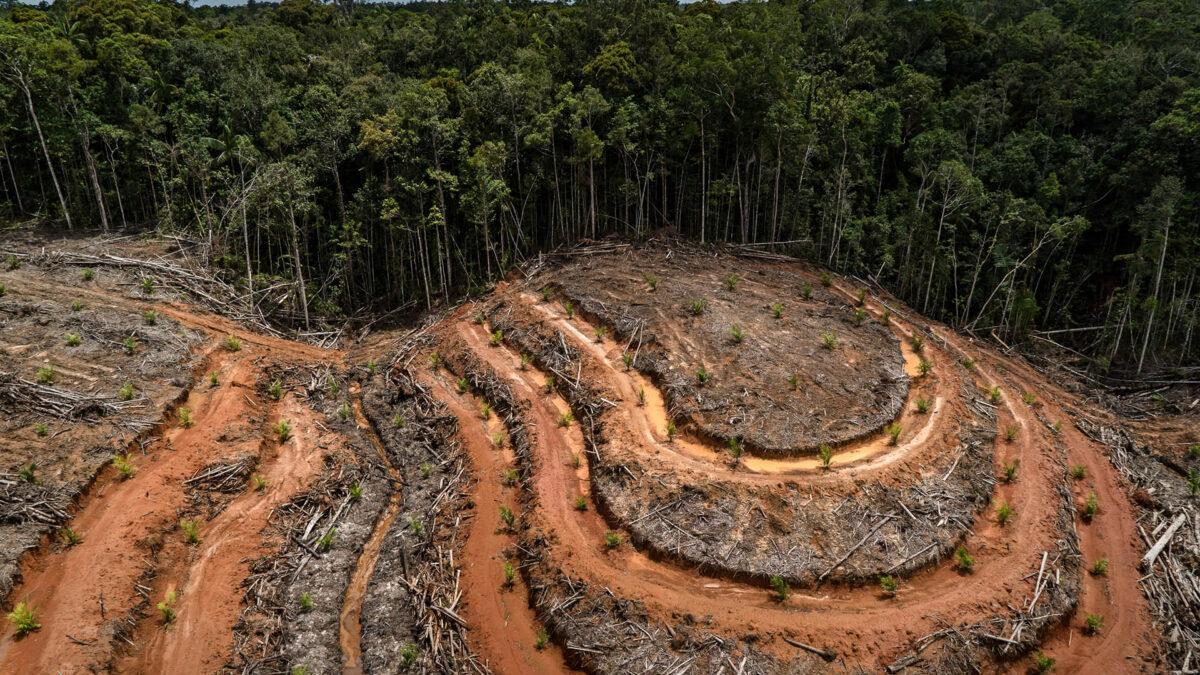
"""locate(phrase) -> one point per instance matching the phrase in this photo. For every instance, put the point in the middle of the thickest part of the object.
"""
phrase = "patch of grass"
(917, 343)
(566, 419)
(651, 281)
(409, 654)
(326, 541)
(542, 640)
(888, 585)
(150, 317)
(45, 375)
(777, 310)
(736, 334)
(306, 602)
(23, 618)
(185, 417)
(283, 430)
(922, 405)
(893, 431)
(510, 574)
(507, 516)
(76, 305)
(1078, 472)
(130, 345)
(826, 279)
(829, 340)
(1004, 513)
(275, 391)
(147, 285)
(1010, 471)
(88, 274)
(581, 503)
(125, 468)
(496, 338)
(702, 375)
(166, 608)
(1091, 507)
(782, 590)
(826, 454)
(994, 395)
(698, 306)
(73, 339)
(806, 291)
(731, 282)
(611, 540)
(1099, 567)
(963, 560)
(191, 530)
(1042, 663)
(41, 429)
(1093, 624)
(485, 411)
(258, 482)
(214, 380)
(69, 537)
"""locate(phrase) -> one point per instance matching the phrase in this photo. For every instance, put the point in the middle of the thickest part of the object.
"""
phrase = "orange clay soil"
(854, 622)
(502, 626)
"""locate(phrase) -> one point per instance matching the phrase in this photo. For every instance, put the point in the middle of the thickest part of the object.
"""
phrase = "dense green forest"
(1022, 168)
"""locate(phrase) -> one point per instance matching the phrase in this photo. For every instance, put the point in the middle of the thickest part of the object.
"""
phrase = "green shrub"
(485, 411)
(1004, 513)
(398, 420)
(23, 618)
(546, 294)
(826, 279)
(372, 368)
(1078, 472)
(76, 305)
(885, 317)
(735, 447)
(860, 297)
(147, 285)
(4, 291)
(994, 395)
(859, 316)
(166, 608)
(893, 431)
(415, 526)
(214, 380)
(461, 384)
(1193, 481)
(480, 317)
(409, 654)
(283, 430)
(924, 366)
(496, 338)
(670, 430)
(356, 492)
(435, 360)
(888, 585)
(191, 530)
(344, 411)
(601, 333)
(1193, 451)
(124, 467)
(73, 339)
(510, 574)
(1028, 398)
(511, 476)
(917, 343)
(963, 560)
(427, 468)
(548, 386)
(611, 540)
(968, 363)
(498, 439)
(28, 473)
(130, 344)
(806, 291)
(781, 588)
(1010, 433)
(524, 362)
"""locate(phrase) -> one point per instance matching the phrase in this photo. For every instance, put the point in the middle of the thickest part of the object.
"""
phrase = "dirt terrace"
(776, 386)
(538, 482)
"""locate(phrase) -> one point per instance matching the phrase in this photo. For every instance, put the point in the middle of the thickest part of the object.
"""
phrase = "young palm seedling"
(917, 343)
(507, 517)
(1099, 567)
(496, 338)
(627, 359)
(736, 334)
(41, 429)
(214, 380)
(498, 439)
(510, 574)
(1010, 470)
(88, 274)
(777, 310)
(702, 376)
(185, 418)
(860, 297)
(601, 333)
(69, 537)
(435, 360)
(566, 419)
(232, 343)
(641, 396)
(147, 285)
(130, 345)
(569, 308)
(1010, 433)
(150, 317)
(258, 482)
(651, 281)
(23, 618)
(166, 608)
(829, 340)
(511, 477)
(485, 411)
(888, 585)
(275, 391)
(670, 430)
(1004, 513)
(542, 641)
(344, 412)
(1043, 663)
(306, 602)
(1091, 507)
(893, 431)
(826, 280)
(191, 530)
(794, 381)
(1092, 624)
(611, 540)
(461, 385)
(994, 395)
(698, 306)
(124, 467)
(735, 447)
(806, 291)
(283, 430)
(1078, 472)
(76, 305)
(782, 590)
(826, 453)
(924, 366)
(860, 315)
(581, 503)
(731, 282)
(408, 655)
(326, 541)
(524, 362)
(356, 492)
(125, 393)
(922, 405)
(548, 385)
(73, 339)
(28, 473)
(45, 375)
(1193, 481)
(963, 560)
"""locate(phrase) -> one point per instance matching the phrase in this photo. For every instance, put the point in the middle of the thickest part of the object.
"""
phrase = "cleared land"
(661, 459)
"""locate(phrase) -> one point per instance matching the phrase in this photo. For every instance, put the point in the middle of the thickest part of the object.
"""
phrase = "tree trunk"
(296, 262)
(1162, 258)
(62, 201)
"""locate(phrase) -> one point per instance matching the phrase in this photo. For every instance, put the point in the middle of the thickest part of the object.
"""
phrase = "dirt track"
(130, 526)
